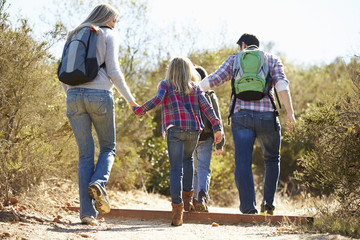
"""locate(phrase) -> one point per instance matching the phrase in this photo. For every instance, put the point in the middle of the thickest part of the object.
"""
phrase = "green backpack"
(251, 68)
(251, 78)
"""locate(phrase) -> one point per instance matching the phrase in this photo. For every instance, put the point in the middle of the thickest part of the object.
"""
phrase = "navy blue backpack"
(78, 62)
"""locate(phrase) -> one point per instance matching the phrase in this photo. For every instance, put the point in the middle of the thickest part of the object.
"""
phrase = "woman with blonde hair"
(92, 104)
(181, 100)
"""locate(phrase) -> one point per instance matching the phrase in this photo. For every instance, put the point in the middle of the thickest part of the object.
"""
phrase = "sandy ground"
(43, 215)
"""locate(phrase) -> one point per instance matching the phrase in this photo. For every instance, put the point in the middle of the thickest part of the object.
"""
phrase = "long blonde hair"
(180, 73)
(99, 16)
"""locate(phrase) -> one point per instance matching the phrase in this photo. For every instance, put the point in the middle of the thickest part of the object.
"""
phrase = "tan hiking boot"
(187, 199)
(177, 214)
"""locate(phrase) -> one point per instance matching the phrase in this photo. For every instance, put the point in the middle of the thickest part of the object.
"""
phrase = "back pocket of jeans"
(71, 104)
(98, 104)
(239, 121)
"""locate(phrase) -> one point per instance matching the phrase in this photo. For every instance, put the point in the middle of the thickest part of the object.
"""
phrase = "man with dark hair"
(252, 120)
(248, 39)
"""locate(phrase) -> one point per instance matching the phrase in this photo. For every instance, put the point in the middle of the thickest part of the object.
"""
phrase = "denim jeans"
(181, 145)
(202, 172)
(246, 126)
(87, 108)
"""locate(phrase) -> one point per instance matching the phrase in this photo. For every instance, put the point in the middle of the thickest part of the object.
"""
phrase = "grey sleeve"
(113, 68)
(215, 105)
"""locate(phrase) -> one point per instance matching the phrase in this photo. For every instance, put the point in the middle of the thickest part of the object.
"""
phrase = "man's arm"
(223, 74)
(282, 85)
(286, 100)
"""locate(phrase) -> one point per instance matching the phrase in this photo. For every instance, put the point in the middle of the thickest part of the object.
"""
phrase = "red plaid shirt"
(181, 110)
(225, 73)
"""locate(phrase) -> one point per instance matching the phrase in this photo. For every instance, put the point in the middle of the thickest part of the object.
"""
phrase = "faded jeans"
(87, 108)
(246, 126)
(181, 145)
(202, 173)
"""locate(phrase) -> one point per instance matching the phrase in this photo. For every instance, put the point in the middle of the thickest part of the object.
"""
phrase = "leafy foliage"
(32, 134)
(330, 134)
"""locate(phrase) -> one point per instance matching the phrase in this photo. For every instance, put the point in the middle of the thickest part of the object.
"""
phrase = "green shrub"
(33, 130)
(338, 222)
(223, 190)
(154, 150)
(330, 134)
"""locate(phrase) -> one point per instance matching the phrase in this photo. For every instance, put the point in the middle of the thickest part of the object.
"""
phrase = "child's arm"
(208, 111)
(152, 103)
(215, 104)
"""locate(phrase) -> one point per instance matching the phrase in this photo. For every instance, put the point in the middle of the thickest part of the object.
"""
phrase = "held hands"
(134, 106)
(217, 137)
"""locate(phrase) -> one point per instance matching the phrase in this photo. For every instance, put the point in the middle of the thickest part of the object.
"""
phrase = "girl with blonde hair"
(92, 104)
(181, 100)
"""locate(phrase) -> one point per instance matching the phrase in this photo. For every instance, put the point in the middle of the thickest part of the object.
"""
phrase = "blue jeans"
(246, 126)
(202, 173)
(181, 145)
(87, 108)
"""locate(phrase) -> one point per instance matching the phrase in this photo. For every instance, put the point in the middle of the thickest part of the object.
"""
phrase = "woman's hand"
(133, 104)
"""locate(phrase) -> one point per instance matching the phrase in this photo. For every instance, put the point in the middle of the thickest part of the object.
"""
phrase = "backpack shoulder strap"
(264, 63)
(105, 27)
(236, 65)
(236, 70)
(103, 65)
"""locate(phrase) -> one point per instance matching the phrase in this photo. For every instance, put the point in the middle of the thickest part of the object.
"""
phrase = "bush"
(155, 151)
(330, 134)
(338, 222)
(223, 190)
(33, 130)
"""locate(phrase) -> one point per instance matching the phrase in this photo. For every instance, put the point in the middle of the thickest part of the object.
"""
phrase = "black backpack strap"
(269, 86)
(105, 27)
(233, 95)
(277, 97)
(276, 113)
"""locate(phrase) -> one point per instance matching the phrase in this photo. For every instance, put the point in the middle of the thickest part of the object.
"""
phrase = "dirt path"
(135, 229)
(44, 216)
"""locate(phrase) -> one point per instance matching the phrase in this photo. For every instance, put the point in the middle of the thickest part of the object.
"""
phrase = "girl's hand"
(217, 137)
(138, 112)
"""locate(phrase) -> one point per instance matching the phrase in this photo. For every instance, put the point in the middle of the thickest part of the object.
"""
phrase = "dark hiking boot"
(98, 193)
(267, 209)
(201, 205)
(187, 199)
(177, 214)
(251, 211)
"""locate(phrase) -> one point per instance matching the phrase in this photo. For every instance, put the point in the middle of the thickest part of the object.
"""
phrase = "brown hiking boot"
(194, 201)
(187, 199)
(177, 214)
(201, 206)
